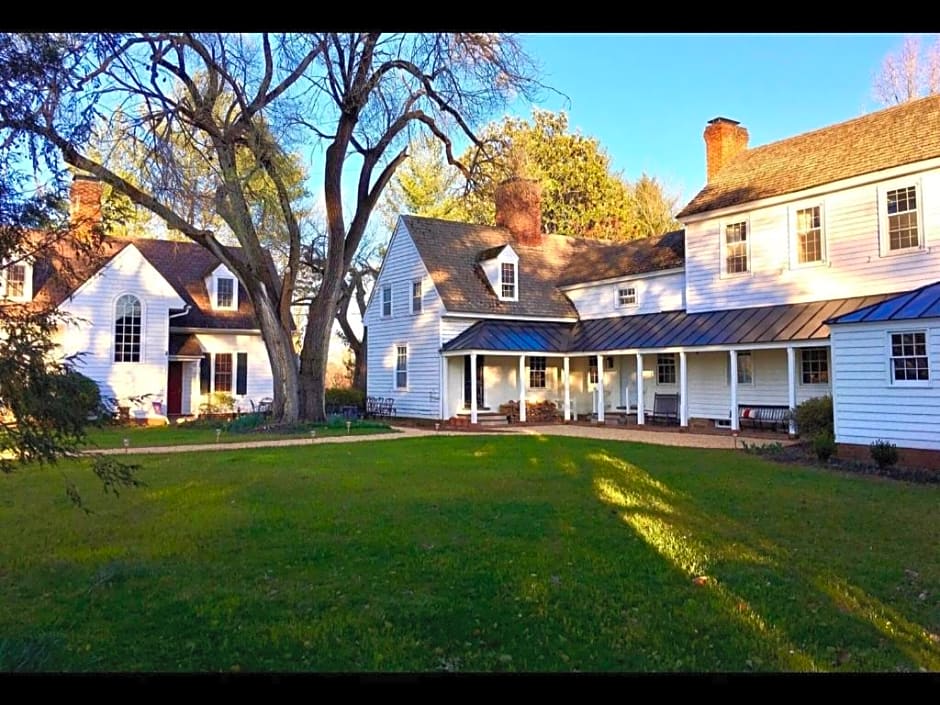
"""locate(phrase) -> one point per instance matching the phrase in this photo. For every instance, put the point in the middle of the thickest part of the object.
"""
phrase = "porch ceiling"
(759, 324)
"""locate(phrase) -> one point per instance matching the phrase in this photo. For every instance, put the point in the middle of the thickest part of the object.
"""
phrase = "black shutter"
(205, 373)
(241, 374)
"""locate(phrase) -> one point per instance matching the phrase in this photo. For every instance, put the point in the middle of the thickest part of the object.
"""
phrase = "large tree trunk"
(359, 367)
(280, 347)
(314, 355)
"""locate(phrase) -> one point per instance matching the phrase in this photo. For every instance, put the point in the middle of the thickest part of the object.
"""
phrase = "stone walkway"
(610, 433)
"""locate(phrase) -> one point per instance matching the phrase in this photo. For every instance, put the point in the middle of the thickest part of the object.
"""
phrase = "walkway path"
(610, 433)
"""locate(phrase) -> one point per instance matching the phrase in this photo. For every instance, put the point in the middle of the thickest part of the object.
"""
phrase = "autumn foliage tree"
(911, 72)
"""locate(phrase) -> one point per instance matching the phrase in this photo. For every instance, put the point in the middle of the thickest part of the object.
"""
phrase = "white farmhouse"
(782, 286)
(160, 325)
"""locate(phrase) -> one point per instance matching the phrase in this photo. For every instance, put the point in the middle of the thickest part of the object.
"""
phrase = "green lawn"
(470, 553)
(198, 433)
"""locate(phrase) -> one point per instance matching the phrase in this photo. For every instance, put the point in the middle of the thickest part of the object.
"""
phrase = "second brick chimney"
(85, 204)
(724, 139)
(519, 209)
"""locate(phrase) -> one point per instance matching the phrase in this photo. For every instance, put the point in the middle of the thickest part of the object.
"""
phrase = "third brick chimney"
(724, 139)
(519, 209)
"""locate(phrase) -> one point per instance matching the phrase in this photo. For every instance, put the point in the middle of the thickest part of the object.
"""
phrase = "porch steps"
(484, 418)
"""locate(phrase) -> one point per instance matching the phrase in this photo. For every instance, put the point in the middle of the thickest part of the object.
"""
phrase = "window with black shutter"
(205, 373)
(241, 374)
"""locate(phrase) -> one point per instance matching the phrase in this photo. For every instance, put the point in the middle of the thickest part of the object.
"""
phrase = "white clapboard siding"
(420, 332)
(91, 332)
(868, 406)
(655, 293)
(710, 392)
(854, 267)
(260, 382)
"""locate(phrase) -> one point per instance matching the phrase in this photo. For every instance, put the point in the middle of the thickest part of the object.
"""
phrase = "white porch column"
(735, 422)
(600, 389)
(567, 376)
(640, 406)
(445, 369)
(791, 386)
(683, 391)
(473, 387)
(522, 388)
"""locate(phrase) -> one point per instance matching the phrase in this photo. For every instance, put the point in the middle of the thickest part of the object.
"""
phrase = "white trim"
(793, 244)
(626, 286)
(816, 191)
(395, 369)
(723, 272)
(499, 284)
(884, 249)
(622, 278)
(391, 301)
(216, 277)
(908, 383)
(420, 299)
(113, 331)
(505, 317)
(27, 280)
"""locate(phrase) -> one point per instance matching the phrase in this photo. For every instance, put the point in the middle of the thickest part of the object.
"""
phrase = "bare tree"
(909, 73)
(242, 104)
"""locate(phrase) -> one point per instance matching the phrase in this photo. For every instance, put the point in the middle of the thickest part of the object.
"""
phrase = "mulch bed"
(802, 454)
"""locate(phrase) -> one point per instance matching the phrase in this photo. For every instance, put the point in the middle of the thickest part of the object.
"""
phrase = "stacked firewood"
(534, 411)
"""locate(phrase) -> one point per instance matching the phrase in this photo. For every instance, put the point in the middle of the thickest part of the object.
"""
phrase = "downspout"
(186, 309)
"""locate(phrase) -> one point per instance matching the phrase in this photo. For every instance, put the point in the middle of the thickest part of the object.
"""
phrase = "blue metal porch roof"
(911, 305)
(759, 324)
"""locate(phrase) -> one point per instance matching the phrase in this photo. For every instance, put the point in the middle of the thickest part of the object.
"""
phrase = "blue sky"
(647, 98)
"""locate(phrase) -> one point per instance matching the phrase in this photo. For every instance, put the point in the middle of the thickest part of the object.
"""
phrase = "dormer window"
(225, 296)
(508, 282)
(15, 281)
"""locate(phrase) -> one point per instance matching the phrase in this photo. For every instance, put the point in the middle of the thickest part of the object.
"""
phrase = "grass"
(471, 553)
(200, 433)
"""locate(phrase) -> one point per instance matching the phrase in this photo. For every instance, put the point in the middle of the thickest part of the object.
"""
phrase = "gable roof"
(909, 306)
(60, 270)
(899, 135)
(451, 252)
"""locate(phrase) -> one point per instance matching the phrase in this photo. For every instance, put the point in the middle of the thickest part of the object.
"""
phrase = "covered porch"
(716, 369)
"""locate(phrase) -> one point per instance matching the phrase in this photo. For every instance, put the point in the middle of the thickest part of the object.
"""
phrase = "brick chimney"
(519, 209)
(85, 204)
(724, 139)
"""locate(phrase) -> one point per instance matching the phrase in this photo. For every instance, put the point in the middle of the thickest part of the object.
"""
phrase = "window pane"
(127, 329)
(666, 368)
(902, 218)
(509, 280)
(537, 372)
(223, 372)
(745, 368)
(225, 292)
(416, 297)
(401, 366)
(387, 301)
(16, 280)
(909, 361)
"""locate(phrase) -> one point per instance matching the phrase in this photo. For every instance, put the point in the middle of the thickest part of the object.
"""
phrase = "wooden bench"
(665, 409)
(764, 416)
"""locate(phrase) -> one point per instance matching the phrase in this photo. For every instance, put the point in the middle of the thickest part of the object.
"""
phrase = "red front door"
(174, 389)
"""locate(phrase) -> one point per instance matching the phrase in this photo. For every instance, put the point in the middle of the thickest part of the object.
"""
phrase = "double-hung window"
(508, 281)
(537, 373)
(401, 366)
(736, 248)
(814, 364)
(386, 301)
(666, 368)
(909, 361)
(416, 296)
(901, 219)
(626, 296)
(809, 243)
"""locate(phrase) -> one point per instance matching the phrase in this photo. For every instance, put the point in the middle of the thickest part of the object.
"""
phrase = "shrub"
(218, 403)
(814, 417)
(245, 423)
(824, 446)
(884, 453)
(345, 396)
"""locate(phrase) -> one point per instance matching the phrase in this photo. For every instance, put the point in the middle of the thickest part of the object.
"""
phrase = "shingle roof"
(185, 345)
(60, 271)
(451, 251)
(757, 324)
(909, 306)
(893, 137)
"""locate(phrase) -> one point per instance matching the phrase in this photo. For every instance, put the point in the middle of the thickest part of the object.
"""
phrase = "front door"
(174, 389)
(466, 382)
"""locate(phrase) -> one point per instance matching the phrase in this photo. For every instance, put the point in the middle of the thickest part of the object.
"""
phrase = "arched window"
(127, 329)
